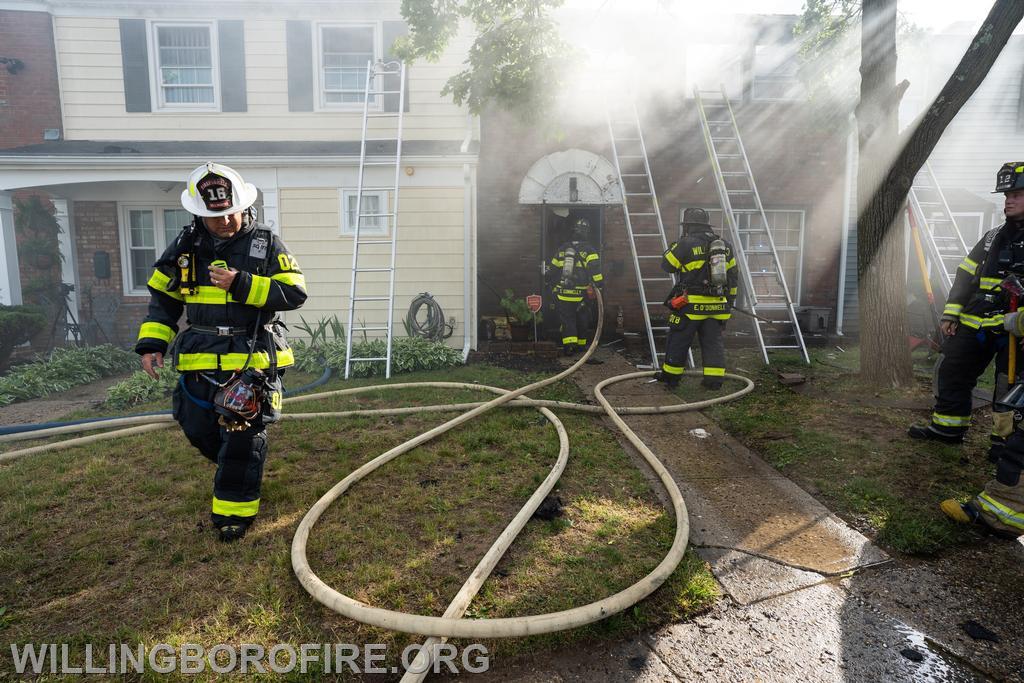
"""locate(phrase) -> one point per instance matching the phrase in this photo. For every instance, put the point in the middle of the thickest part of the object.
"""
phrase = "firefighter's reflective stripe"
(672, 369)
(231, 361)
(1006, 515)
(733, 290)
(294, 279)
(557, 262)
(671, 258)
(717, 316)
(156, 331)
(569, 340)
(952, 309)
(951, 420)
(730, 264)
(714, 372)
(581, 341)
(566, 297)
(978, 322)
(968, 265)
(694, 265)
(159, 282)
(989, 282)
(704, 299)
(258, 291)
(598, 277)
(231, 508)
(592, 257)
(209, 295)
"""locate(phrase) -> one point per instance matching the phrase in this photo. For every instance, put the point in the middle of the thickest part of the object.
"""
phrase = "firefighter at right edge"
(972, 320)
(702, 300)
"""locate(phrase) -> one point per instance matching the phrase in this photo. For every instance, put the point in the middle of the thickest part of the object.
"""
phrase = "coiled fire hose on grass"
(451, 624)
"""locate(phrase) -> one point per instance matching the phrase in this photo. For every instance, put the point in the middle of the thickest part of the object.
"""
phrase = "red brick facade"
(807, 176)
(29, 98)
(96, 231)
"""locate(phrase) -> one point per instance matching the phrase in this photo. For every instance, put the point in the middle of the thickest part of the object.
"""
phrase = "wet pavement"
(806, 598)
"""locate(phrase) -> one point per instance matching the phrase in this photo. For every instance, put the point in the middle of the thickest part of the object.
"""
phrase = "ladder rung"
(381, 115)
(384, 92)
(720, 139)
(631, 156)
(725, 121)
(356, 360)
(375, 215)
(646, 213)
(734, 174)
(632, 175)
(380, 163)
(646, 234)
(372, 298)
(729, 156)
(740, 191)
(374, 270)
(380, 139)
(362, 242)
(644, 256)
(378, 189)
(638, 194)
(659, 328)
(370, 328)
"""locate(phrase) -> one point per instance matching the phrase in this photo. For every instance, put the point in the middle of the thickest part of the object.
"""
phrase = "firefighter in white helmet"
(230, 276)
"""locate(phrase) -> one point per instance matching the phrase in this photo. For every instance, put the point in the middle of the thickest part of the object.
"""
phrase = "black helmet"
(693, 218)
(580, 228)
(1010, 177)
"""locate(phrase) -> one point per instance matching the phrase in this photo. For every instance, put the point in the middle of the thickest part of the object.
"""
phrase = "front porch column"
(10, 274)
(66, 242)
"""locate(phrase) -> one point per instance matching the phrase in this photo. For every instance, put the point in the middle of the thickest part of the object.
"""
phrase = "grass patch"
(846, 443)
(111, 542)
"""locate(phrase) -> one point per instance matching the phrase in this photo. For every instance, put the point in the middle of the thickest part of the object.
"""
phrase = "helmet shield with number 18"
(217, 190)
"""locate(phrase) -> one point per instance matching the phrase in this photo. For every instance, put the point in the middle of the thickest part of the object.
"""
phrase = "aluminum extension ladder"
(374, 261)
(640, 208)
(943, 242)
(764, 284)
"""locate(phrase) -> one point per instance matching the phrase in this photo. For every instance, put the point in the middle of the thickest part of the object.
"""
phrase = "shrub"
(408, 354)
(65, 368)
(516, 309)
(141, 388)
(18, 324)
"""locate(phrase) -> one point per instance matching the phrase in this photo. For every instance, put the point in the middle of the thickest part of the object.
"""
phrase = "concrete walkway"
(797, 605)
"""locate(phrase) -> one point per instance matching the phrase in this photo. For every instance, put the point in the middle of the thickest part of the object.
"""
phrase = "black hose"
(435, 328)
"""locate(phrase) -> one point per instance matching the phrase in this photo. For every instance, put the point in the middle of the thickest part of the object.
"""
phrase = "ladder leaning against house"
(943, 242)
(384, 82)
(642, 215)
(764, 285)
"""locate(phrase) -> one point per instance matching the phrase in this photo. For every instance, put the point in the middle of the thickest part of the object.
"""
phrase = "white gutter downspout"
(851, 140)
(467, 243)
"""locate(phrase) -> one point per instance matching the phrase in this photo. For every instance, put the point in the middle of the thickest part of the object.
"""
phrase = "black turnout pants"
(680, 337)
(965, 355)
(239, 456)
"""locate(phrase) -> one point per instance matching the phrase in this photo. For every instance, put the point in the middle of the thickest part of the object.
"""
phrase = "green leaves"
(516, 60)
(64, 369)
(141, 388)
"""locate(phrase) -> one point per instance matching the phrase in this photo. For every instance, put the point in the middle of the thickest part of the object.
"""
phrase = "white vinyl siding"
(344, 52)
(145, 233)
(373, 203)
(183, 57)
(92, 87)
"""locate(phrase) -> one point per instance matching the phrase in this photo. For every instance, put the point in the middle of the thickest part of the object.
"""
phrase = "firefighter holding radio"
(230, 276)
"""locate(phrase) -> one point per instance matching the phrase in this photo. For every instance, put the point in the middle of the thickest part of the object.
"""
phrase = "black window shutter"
(393, 30)
(299, 36)
(135, 65)
(231, 46)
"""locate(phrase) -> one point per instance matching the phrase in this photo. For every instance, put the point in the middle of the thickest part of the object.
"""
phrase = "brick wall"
(96, 230)
(30, 98)
(797, 161)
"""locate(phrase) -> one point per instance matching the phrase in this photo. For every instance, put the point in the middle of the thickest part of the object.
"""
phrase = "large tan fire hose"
(451, 624)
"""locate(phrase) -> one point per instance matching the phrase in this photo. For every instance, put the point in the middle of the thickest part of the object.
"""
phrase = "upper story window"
(185, 65)
(343, 55)
(775, 73)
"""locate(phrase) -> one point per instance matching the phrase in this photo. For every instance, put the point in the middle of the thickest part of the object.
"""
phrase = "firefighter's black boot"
(711, 383)
(932, 433)
(232, 532)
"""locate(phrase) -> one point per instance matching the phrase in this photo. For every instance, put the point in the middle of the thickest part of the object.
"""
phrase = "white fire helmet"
(217, 190)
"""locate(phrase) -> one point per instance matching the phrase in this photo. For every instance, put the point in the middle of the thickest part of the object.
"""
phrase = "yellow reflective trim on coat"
(732, 291)
(294, 279)
(978, 323)
(156, 331)
(571, 299)
(951, 420)
(231, 361)
(671, 258)
(231, 508)
(694, 265)
(569, 340)
(259, 289)
(953, 309)
(1006, 515)
(720, 316)
(598, 277)
(969, 265)
(672, 369)
(714, 372)
(730, 264)
(557, 262)
(159, 282)
(990, 282)
(592, 257)
(206, 294)
(704, 299)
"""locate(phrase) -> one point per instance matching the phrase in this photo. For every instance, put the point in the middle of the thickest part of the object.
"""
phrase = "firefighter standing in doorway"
(1001, 505)
(702, 300)
(577, 267)
(230, 275)
(973, 320)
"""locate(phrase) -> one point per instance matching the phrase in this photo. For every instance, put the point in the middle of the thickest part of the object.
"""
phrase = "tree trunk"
(882, 187)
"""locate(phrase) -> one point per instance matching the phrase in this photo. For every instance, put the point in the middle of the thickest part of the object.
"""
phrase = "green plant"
(18, 324)
(65, 368)
(39, 247)
(141, 388)
(516, 309)
(408, 354)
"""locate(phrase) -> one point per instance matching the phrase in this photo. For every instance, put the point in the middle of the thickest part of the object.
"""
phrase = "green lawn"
(112, 542)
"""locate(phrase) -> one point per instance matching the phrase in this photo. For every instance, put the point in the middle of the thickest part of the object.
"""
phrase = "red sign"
(534, 302)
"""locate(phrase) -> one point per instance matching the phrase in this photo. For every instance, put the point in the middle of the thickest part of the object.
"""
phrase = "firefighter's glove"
(678, 302)
(590, 292)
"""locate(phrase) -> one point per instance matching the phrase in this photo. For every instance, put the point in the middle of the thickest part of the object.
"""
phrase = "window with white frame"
(343, 55)
(145, 233)
(709, 65)
(185, 64)
(776, 73)
(374, 204)
(787, 229)
(971, 225)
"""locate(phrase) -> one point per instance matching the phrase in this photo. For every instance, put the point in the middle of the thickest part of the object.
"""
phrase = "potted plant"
(518, 315)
